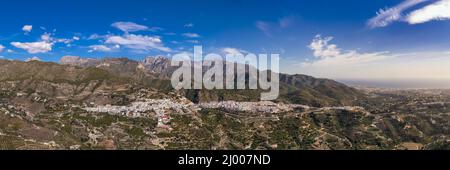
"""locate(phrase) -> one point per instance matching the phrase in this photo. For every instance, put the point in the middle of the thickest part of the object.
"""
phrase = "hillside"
(299, 89)
(122, 104)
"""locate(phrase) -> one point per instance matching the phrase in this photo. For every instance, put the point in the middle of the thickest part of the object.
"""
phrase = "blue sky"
(348, 39)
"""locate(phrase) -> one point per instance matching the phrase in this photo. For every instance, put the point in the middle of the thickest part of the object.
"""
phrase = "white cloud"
(333, 62)
(233, 51)
(322, 49)
(46, 37)
(329, 54)
(385, 17)
(44, 45)
(193, 41)
(437, 11)
(10, 51)
(138, 42)
(63, 40)
(27, 28)
(330, 61)
(189, 25)
(97, 36)
(191, 35)
(33, 59)
(1, 48)
(34, 47)
(103, 48)
(129, 27)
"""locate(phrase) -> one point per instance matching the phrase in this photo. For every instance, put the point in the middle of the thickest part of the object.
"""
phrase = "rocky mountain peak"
(155, 62)
(78, 61)
(158, 64)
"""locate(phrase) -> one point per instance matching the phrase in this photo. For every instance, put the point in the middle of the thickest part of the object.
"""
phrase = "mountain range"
(118, 103)
(156, 72)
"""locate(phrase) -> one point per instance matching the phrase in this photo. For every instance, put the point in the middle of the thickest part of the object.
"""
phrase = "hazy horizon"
(399, 84)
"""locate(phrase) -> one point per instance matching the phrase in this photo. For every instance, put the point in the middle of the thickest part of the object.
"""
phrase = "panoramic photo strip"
(224, 83)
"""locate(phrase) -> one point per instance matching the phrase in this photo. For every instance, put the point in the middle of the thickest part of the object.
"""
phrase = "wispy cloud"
(129, 27)
(191, 35)
(170, 33)
(439, 10)
(233, 51)
(265, 27)
(189, 25)
(193, 41)
(103, 48)
(155, 29)
(385, 17)
(269, 28)
(287, 21)
(1, 48)
(97, 36)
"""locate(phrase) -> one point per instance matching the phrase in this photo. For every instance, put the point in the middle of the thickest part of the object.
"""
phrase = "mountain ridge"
(155, 72)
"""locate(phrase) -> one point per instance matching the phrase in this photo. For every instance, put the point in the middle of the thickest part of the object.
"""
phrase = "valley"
(121, 104)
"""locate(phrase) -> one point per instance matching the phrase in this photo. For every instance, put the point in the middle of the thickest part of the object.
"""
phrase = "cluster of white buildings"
(162, 108)
(255, 107)
(350, 108)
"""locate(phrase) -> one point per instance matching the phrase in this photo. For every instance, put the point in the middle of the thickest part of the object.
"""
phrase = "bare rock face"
(78, 61)
(159, 65)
